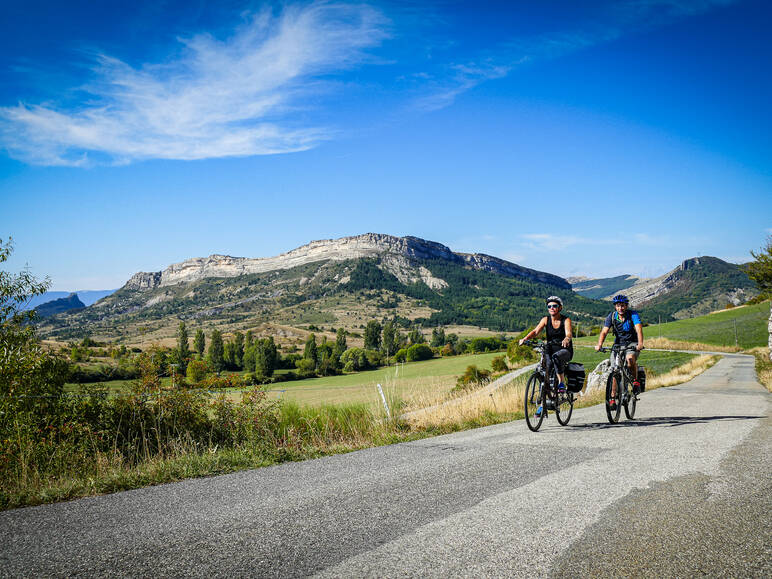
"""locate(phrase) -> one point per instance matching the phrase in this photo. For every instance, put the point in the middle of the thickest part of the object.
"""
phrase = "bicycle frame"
(619, 367)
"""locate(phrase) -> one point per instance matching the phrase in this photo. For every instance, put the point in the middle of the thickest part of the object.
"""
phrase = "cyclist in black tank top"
(561, 349)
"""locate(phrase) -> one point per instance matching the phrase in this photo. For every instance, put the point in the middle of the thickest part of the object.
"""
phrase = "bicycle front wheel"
(564, 407)
(613, 410)
(631, 402)
(533, 402)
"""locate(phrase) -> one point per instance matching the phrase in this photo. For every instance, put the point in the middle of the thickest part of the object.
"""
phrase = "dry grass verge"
(665, 344)
(763, 367)
(683, 373)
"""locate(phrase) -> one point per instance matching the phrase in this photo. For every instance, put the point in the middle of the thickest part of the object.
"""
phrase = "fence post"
(385, 404)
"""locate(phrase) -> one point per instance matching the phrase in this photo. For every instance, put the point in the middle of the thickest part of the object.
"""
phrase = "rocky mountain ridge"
(396, 254)
(694, 287)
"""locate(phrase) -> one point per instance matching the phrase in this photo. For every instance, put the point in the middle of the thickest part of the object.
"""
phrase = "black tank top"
(556, 336)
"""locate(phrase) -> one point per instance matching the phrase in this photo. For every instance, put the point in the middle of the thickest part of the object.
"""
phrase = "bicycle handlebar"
(618, 348)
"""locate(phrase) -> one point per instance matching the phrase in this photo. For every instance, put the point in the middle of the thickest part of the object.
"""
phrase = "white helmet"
(555, 299)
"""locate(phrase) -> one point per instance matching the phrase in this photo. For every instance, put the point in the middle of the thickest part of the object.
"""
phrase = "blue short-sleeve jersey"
(624, 331)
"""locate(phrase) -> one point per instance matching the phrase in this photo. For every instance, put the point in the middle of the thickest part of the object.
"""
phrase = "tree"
(31, 380)
(229, 355)
(438, 337)
(183, 351)
(416, 337)
(340, 346)
(760, 271)
(266, 357)
(216, 353)
(310, 353)
(238, 342)
(372, 335)
(248, 340)
(389, 338)
(196, 371)
(199, 342)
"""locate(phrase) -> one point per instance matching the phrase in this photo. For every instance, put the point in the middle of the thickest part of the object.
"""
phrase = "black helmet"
(555, 299)
(620, 299)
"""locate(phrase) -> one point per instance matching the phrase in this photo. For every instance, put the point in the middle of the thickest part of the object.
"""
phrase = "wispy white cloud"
(463, 77)
(552, 242)
(621, 19)
(221, 98)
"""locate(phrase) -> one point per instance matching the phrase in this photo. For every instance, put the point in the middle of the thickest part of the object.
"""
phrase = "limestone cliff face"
(400, 256)
(647, 289)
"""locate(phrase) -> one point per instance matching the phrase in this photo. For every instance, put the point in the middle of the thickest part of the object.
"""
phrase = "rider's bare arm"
(601, 337)
(639, 331)
(535, 332)
(569, 333)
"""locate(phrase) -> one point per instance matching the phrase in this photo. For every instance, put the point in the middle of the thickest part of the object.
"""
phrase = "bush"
(448, 350)
(473, 377)
(196, 371)
(354, 360)
(306, 367)
(518, 354)
(499, 364)
(418, 352)
(400, 355)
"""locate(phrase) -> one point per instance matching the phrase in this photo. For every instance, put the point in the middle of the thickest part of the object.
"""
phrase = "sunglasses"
(552, 306)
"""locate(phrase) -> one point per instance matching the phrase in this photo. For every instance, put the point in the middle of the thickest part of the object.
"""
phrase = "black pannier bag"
(575, 377)
(642, 377)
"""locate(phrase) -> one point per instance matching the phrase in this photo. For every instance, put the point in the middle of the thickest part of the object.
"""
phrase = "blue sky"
(578, 138)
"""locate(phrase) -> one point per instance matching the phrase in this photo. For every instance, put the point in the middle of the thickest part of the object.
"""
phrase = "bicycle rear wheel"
(533, 400)
(613, 414)
(631, 400)
(564, 407)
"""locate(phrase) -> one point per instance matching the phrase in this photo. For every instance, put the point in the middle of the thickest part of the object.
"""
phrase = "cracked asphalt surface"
(682, 490)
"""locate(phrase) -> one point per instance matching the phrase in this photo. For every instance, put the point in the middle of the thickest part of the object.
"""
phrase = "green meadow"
(717, 329)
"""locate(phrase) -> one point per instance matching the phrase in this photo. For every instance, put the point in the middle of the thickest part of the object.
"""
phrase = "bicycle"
(625, 396)
(541, 392)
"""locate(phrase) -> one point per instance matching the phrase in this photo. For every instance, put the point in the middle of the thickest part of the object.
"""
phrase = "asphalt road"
(683, 490)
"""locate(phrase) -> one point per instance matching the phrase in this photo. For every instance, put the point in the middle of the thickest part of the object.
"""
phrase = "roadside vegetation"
(58, 443)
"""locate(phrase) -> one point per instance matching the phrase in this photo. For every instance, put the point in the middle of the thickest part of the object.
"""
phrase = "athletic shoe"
(538, 412)
(612, 404)
(561, 388)
(636, 387)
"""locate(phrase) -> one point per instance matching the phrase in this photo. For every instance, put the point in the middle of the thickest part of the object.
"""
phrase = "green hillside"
(705, 284)
(716, 329)
(602, 287)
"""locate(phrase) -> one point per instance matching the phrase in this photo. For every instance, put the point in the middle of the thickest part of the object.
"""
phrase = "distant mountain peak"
(71, 302)
(396, 250)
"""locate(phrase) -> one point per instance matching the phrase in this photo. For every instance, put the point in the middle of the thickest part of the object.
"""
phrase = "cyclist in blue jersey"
(628, 331)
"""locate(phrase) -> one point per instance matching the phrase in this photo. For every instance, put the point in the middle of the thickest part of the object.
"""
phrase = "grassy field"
(407, 382)
(402, 381)
(716, 329)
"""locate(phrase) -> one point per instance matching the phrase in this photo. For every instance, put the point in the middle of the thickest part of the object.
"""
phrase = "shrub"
(354, 360)
(448, 350)
(473, 377)
(196, 371)
(517, 353)
(499, 364)
(418, 352)
(306, 367)
(400, 355)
